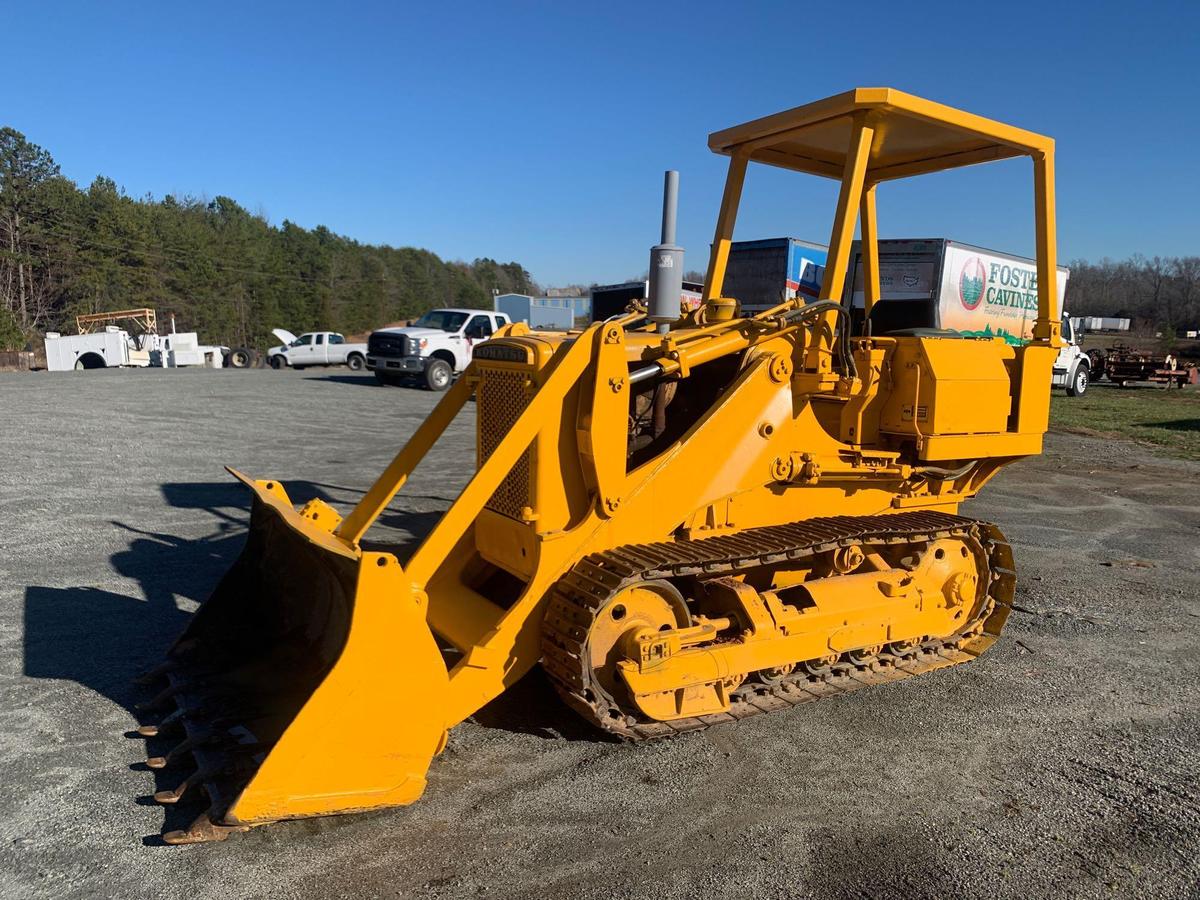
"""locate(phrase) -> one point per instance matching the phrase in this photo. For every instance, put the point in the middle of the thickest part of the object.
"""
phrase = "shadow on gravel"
(409, 384)
(103, 640)
(365, 380)
(531, 706)
(217, 497)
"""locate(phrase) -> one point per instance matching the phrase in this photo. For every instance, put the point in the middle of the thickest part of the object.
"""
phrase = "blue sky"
(539, 132)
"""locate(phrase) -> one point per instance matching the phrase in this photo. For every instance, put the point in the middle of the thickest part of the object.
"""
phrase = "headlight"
(422, 344)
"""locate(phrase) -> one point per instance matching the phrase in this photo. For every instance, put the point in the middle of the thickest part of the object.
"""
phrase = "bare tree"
(1156, 271)
(1185, 272)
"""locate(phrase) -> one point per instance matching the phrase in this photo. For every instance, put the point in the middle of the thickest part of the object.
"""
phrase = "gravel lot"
(1066, 761)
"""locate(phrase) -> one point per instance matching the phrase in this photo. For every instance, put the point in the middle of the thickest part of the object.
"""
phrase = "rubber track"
(586, 589)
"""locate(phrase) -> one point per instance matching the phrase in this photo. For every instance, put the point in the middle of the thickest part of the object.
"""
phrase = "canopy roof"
(912, 136)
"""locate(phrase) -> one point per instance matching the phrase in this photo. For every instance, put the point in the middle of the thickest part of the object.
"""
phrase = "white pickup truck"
(316, 348)
(433, 349)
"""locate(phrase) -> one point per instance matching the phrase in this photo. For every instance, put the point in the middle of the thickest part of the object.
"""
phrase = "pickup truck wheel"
(384, 379)
(355, 362)
(1079, 383)
(278, 362)
(438, 375)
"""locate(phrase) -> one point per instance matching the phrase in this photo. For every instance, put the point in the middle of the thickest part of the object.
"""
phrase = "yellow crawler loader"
(687, 519)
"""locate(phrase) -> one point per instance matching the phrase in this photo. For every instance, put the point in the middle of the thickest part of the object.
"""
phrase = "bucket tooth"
(202, 830)
(161, 762)
(168, 798)
(172, 723)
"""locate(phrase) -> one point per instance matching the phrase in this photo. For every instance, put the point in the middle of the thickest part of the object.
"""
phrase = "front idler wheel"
(649, 605)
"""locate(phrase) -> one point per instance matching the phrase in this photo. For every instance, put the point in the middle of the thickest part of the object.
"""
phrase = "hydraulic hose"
(791, 317)
(946, 474)
(823, 306)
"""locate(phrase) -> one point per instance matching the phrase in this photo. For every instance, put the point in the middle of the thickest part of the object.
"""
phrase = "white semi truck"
(950, 286)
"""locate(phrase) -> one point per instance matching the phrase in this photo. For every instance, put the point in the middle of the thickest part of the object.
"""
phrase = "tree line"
(1158, 293)
(232, 276)
(220, 270)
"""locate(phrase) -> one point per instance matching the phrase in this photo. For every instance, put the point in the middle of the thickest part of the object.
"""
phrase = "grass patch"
(1168, 419)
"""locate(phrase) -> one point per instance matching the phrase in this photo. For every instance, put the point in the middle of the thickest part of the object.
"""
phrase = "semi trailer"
(760, 274)
(938, 284)
(764, 273)
(610, 300)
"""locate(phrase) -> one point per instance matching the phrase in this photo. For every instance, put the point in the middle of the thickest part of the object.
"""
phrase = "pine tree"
(214, 266)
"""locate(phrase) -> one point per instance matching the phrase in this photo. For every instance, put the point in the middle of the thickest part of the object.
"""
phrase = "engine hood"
(417, 333)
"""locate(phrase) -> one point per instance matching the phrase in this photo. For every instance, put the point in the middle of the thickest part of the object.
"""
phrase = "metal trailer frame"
(146, 320)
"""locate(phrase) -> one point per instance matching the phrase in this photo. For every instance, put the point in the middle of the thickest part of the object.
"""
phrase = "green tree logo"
(972, 282)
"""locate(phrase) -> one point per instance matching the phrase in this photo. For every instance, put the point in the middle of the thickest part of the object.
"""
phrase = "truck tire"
(355, 362)
(278, 362)
(239, 358)
(385, 379)
(1079, 382)
(438, 375)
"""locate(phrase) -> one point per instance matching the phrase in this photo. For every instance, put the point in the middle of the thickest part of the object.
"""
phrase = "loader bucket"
(307, 684)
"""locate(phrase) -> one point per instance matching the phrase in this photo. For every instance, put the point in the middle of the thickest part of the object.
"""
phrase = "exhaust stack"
(666, 262)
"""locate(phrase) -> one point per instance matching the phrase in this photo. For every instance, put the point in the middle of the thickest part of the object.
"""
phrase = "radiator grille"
(386, 344)
(502, 397)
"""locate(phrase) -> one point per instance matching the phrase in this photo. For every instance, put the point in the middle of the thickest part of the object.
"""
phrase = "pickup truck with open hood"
(315, 348)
